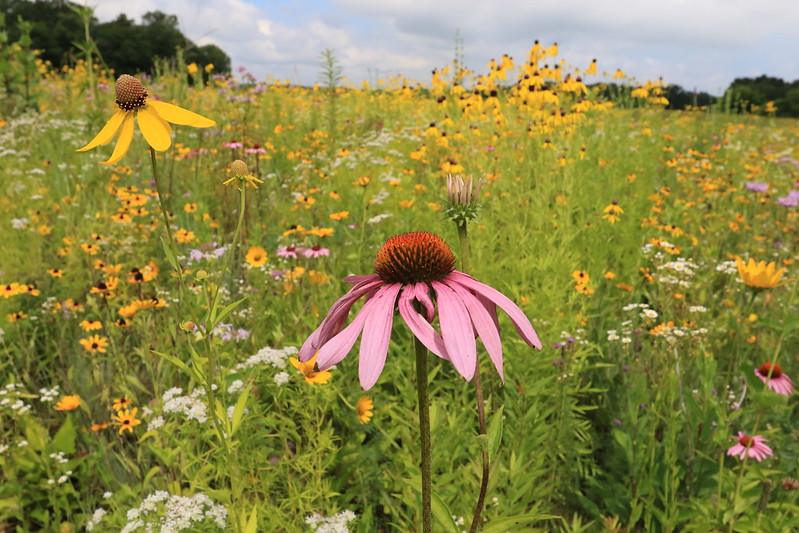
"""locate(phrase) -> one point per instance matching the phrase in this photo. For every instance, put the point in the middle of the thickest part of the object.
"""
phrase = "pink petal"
(376, 335)
(520, 321)
(420, 327)
(337, 348)
(456, 329)
(485, 326)
(354, 280)
(422, 293)
(336, 318)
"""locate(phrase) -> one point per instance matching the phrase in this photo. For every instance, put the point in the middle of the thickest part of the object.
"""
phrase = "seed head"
(238, 168)
(130, 94)
(413, 258)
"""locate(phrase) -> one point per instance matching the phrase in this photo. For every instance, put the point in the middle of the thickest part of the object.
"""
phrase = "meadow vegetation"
(152, 381)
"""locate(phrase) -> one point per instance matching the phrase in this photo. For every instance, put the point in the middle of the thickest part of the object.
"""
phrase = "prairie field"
(154, 308)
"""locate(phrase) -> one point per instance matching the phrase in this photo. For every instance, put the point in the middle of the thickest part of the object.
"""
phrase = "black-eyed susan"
(256, 256)
(153, 117)
(91, 325)
(94, 344)
(126, 420)
(364, 409)
(122, 403)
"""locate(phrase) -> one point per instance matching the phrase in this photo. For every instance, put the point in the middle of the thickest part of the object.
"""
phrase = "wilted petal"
(376, 335)
(456, 329)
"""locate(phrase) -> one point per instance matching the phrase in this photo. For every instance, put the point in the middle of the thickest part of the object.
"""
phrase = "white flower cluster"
(48, 395)
(11, 400)
(727, 267)
(268, 356)
(98, 515)
(677, 272)
(190, 406)
(167, 513)
(330, 524)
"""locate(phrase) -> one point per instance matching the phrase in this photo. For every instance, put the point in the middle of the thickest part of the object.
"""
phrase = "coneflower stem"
(424, 431)
(165, 213)
(463, 238)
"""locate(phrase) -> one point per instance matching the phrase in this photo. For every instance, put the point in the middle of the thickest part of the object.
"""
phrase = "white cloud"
(702, 43)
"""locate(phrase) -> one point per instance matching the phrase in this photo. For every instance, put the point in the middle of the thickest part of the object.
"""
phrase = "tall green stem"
(463, 238)
(424, 430)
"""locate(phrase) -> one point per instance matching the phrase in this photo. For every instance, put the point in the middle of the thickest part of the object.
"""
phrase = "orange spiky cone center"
(413, 258)
(776, 371)
(130, 94)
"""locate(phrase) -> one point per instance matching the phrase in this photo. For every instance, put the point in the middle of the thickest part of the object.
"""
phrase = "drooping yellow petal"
(178, 115)
(123, 143)
(153, 130)
(108, 131)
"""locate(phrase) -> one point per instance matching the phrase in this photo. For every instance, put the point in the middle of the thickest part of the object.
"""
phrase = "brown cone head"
(413, 258)
(130, 93)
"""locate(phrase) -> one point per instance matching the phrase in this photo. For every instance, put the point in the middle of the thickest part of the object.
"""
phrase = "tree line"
(55, 26)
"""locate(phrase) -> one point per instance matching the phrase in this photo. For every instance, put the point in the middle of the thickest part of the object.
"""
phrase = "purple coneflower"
(233, 143)
(315, 251)
(778, 382)
(791, 200)
(750, 446)
(415, 272)
(256, 149)
(289, 252)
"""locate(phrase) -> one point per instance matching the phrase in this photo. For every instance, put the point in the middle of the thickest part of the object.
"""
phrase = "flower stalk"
(424, 432)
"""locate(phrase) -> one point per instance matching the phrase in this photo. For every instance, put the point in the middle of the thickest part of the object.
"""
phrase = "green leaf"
(36, 435)
(502, 525)
(495, 433)
(215, 320)
(170, 256)
(64, 439)
(252, 523)
(440, 510)
(238, 410)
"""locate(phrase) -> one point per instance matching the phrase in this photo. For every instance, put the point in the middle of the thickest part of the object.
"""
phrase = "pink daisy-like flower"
(256, 149)
(779, 382)
(415, 272)
(233, 143)
(289, 252)
(315, 251)
(750, 446)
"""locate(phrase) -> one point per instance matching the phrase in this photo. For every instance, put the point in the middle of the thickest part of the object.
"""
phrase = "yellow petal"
(123, 143)
(178, 115)
(153, 130)
(108, 131)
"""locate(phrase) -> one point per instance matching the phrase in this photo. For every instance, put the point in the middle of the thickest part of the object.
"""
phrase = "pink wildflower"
(256, 149)
(750, 446)
(233, 144)
(779, 382)
(315, 251)
(289, 251)
(415, 272)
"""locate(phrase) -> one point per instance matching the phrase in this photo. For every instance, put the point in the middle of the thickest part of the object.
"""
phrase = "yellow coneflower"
(153, 118)
(121, 403)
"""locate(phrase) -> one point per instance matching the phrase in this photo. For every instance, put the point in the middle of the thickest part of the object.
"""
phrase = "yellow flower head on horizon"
(153, 117)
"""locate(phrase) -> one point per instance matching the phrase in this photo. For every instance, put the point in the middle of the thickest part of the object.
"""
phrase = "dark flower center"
(130, 94)
(745, 441)
(776, 371)
(414, 257)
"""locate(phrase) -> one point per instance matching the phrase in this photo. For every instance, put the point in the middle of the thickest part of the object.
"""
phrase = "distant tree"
(208, 54)
(757, 91)
(54, 26)
(679, 98)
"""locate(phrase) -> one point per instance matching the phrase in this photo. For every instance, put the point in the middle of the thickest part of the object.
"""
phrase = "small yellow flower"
(126, 420)
(121, 403)
(68, 403)
(760, 275)
(94, 344)
(91, 325)
(612, 212)
(256, 256)
(309, 372)
(364, 409)
(153, 117)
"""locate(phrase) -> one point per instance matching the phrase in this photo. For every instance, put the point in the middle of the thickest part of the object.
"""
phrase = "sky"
(702, 44)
